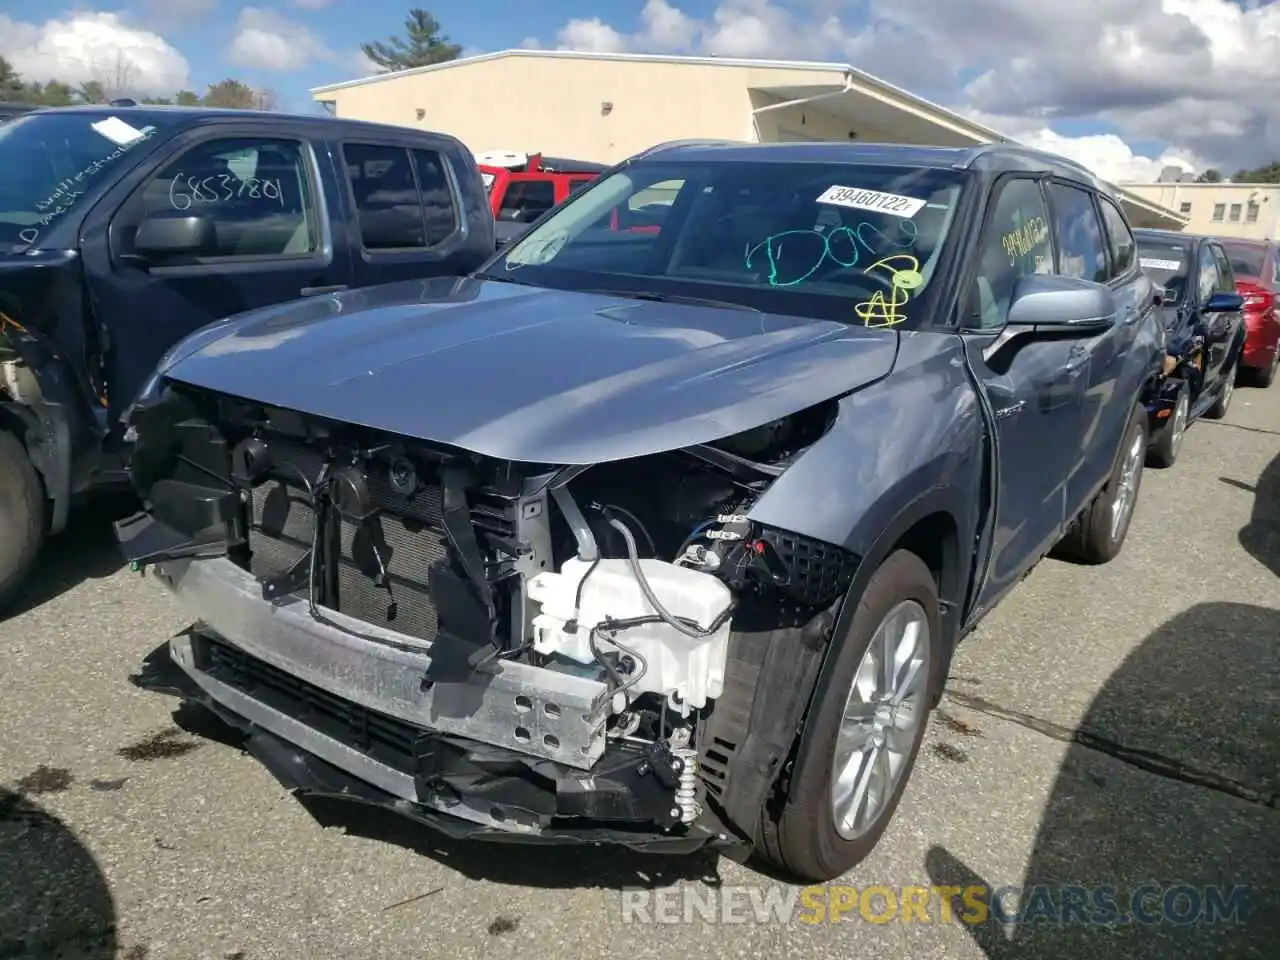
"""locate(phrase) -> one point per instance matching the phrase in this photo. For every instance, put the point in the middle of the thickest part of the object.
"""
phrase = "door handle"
(1076, 361)
(317, 291)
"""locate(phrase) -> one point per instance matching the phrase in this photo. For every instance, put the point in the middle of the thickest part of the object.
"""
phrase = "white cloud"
(312, 4)
(91, 46)
(265, 40)
(591, 34)
(1197, 75)
(665, 28)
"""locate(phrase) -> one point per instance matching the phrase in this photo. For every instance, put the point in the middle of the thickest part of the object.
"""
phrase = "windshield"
(855, 243)
(1166, 264)
(50, 161)
(1246, 258)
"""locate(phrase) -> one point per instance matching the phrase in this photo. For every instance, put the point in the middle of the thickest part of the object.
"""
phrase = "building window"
(1219, 211)
(1185, 207)
(1235, 213)
(1252, 214)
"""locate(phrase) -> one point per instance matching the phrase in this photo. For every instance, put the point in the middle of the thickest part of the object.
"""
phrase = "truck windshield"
(51, 161)
(849, 242)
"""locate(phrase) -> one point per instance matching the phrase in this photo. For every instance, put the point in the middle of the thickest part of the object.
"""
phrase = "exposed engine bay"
(576, 623)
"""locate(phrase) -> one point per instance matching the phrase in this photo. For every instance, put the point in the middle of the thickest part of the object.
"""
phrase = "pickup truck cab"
(662, 538)
(522, 187)
(123, 229)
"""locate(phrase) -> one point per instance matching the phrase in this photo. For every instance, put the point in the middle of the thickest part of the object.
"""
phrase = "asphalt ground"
(1106, 727)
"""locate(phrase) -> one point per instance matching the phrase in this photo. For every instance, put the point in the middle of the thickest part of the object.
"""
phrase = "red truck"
(523, 186)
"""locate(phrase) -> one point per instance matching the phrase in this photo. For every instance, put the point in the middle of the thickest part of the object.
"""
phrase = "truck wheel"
(1164, 449)
(1100, 531)
(864, 730)
(21, 516)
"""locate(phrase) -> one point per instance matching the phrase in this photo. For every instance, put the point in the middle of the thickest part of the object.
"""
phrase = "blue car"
(1205, 331)
(660, 538)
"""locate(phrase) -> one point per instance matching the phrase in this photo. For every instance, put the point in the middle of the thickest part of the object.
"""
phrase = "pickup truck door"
(1034, 390)
(231, 217)
(1094, 242)
(404, 209)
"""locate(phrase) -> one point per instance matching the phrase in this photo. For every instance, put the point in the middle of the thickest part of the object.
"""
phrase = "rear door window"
(402, 197)
(1119, 237)
(1082, 245)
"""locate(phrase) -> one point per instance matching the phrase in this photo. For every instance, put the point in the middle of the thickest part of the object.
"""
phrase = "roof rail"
(690, 142)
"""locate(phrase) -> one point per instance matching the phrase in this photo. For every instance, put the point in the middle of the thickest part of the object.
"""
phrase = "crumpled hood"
(532, 374)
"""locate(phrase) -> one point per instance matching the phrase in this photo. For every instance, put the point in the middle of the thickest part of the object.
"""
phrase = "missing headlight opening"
(518, 645)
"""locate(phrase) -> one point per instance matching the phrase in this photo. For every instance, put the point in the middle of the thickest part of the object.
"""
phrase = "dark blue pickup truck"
(662, 537)
(124, 228)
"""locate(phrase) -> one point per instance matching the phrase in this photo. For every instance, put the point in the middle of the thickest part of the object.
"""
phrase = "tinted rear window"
(1246, 258)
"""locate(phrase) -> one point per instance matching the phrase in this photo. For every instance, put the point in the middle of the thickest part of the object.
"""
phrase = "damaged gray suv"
(662, 528)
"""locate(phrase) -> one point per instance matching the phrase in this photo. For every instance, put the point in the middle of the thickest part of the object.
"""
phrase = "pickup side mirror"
(159, 238)
(1054, 306)
(1223, 302)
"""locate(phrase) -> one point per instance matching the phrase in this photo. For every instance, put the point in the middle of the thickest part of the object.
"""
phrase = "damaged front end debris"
(523, 650)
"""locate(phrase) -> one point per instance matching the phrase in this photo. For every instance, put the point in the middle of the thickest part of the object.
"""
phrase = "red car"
(1256, 265)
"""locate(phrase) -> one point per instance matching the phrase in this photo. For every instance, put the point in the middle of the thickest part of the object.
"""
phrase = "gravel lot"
(1115, 725)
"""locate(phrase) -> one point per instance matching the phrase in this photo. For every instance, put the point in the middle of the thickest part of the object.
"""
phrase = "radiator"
(406, 533)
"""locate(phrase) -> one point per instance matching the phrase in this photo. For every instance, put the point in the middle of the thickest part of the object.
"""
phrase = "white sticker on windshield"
(117, 131)
(1149, 264)
(856, 198)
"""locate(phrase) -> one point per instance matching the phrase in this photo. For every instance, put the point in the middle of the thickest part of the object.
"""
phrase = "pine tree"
(422, 45)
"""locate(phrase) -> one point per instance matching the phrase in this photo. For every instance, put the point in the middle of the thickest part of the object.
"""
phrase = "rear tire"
(1164, 448)
(21, 517)
(802, 838)
(1265, 376)
(1100, 531)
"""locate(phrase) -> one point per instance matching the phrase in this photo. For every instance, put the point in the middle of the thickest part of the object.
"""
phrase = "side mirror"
(1053, 306)
(1222, 302)
(159, 238)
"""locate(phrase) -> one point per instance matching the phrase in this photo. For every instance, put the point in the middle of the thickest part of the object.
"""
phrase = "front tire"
(864, 732)
(1101, 529)
(21, 517)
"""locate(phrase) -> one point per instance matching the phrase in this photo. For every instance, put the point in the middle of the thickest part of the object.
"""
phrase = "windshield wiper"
(672, 298)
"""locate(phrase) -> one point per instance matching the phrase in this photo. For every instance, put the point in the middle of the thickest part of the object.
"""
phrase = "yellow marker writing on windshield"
(904, 274)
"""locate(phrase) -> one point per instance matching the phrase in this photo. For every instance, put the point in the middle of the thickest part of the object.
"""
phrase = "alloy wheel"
(1126, 488)
(882, 716)
(1179, 425)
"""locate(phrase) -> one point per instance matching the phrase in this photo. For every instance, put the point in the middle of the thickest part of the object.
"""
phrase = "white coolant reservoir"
(689, 671)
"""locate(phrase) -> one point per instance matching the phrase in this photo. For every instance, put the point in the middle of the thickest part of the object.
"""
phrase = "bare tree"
(115, 77)
(264, 98)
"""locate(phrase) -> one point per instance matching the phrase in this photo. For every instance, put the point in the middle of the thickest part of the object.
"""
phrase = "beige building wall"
(602, 110)
(607, 108)
(1246, 210)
